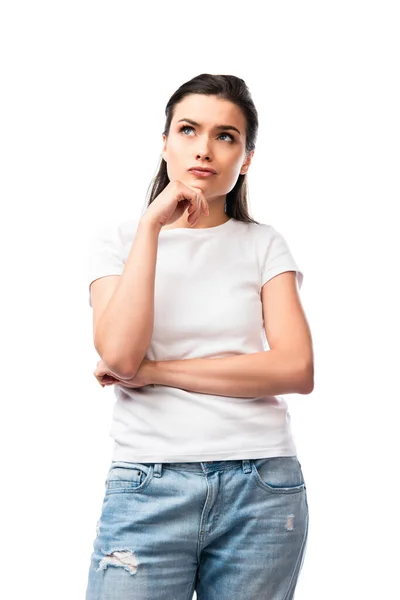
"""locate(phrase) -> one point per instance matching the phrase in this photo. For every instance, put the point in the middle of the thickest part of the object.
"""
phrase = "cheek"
(232, 167)
(232, 158)
(176, 152)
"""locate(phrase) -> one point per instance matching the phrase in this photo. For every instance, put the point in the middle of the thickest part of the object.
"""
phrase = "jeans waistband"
(205, 467)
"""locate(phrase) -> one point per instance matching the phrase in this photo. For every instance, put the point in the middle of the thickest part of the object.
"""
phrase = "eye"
(229, 135)
(189, 127)
(185, 127)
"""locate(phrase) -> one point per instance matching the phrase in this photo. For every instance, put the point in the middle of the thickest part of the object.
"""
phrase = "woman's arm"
(124, 331)
(270, 372)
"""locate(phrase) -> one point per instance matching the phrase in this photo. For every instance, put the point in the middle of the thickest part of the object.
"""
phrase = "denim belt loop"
(246, 465)
(157, 469)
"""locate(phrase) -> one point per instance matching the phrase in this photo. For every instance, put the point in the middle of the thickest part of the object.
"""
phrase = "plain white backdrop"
(84, 88)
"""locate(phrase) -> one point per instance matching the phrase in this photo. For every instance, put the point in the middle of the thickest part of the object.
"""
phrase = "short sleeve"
(104, 253)
(277, 257)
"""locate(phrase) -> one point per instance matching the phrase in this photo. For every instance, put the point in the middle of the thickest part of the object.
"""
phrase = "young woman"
(205, 491)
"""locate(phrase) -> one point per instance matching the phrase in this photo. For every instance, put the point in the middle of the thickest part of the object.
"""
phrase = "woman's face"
(206, 145)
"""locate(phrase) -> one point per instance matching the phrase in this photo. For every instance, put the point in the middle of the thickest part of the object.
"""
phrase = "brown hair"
(230, 88)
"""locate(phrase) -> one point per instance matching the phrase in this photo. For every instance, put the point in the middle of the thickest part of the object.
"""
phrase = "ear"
(247, 162)
(164, 148)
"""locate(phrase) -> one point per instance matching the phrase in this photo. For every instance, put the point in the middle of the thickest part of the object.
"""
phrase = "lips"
(203, 169)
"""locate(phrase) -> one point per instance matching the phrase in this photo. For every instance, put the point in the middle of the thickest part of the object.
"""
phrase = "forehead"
(209, 111)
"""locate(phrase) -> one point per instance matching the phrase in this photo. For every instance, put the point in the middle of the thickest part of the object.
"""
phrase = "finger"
(194, 206)
(198, 205)
(202, 206)
(195, 200)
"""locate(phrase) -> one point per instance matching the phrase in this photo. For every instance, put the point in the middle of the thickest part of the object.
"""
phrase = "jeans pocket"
(128, 476)
(279, 474)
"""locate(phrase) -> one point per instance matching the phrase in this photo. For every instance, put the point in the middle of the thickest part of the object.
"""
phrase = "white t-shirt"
(207, 304)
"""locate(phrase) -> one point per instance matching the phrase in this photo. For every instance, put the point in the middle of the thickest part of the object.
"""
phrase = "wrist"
(148, 223)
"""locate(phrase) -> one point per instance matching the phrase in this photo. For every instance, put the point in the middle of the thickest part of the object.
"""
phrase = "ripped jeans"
(227, 530)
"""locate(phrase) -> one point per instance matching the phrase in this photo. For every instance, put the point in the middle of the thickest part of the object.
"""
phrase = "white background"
(83, 91)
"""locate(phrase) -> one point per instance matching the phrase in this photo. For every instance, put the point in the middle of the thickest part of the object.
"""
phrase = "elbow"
(115, 363)
(121, 369)
(307, 379)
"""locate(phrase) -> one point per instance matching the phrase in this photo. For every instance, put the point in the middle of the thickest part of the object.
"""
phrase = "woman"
(205, 491)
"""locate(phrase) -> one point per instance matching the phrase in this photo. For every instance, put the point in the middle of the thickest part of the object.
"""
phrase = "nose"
(204, 151)
(203, 156)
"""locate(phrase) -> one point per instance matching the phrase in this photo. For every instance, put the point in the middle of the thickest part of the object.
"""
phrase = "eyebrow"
(216, 126)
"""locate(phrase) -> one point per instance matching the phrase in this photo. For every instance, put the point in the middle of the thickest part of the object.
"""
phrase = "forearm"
(126, 326)
(272, 372)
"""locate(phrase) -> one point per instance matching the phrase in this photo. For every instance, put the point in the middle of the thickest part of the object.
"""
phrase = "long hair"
(227, 87)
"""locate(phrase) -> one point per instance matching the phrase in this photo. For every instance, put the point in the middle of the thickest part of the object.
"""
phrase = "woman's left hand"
(106, 377)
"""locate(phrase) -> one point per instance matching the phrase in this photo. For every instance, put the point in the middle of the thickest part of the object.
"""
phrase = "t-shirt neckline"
(208, 229)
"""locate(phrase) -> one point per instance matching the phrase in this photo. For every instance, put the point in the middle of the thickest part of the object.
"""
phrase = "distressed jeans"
(227, 530)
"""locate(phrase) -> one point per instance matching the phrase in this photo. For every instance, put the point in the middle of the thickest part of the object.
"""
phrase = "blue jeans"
(230, 529)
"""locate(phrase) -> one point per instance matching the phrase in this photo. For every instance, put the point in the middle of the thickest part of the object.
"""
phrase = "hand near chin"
(106, 377)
